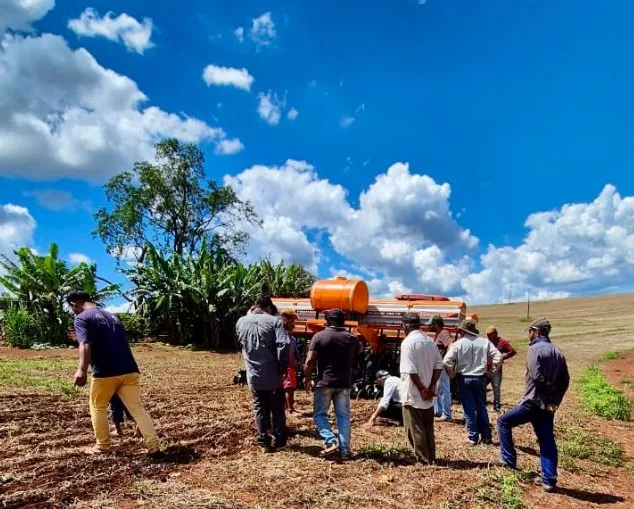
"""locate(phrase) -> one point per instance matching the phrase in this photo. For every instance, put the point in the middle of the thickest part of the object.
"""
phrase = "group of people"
(423, 391)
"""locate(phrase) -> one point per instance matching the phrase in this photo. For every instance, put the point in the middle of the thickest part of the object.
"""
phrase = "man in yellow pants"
(103, 346)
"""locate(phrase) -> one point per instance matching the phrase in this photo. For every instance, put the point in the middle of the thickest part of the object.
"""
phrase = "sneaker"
(473, 442)
(547, 487)
(486, 441)
(280, 447)
(345, 456)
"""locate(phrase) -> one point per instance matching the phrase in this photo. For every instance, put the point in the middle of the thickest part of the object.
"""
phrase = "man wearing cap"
(421, 365)
(442, 403)
(547, 380)
(495, 379)
(334, 351)
(390, 405)
(265, 348)
(467, 358)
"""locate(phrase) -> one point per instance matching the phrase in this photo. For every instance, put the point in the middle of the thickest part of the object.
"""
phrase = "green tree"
(39, 284)
(172, 206)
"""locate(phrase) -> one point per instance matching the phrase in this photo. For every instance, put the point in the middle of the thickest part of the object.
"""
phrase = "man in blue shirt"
(547, 381)
(103, 346)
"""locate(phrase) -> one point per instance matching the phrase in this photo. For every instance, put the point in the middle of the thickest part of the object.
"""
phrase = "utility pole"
(528, 305)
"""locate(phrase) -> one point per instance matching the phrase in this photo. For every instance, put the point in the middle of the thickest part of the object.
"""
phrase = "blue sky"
(491, 112)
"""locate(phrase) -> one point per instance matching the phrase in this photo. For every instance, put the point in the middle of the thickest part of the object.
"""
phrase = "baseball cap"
(539, 324)
(436, 320)
(381, 374)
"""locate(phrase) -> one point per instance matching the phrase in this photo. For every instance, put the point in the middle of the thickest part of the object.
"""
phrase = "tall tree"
(171, 205)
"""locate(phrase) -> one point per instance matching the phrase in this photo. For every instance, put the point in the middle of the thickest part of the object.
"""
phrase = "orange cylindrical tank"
(349, 295)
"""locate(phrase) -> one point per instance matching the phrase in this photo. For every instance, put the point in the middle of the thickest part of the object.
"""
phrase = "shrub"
(600, 398)
(135, 326)
(19, 327)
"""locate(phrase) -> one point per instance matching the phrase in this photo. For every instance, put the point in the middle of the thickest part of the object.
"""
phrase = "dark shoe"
(486, 441)
(345, 456)
(280, 446)
(547, 487)
(473, 442)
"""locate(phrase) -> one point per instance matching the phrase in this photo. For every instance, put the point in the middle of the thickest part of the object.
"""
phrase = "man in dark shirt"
(495, 379)
(103, 346)
(547, 381)
(334, 351)
(265, 348)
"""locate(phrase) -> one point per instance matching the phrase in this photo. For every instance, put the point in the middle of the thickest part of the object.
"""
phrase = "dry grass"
(212, 460)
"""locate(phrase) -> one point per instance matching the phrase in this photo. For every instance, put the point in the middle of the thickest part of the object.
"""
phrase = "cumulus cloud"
(58, 200)
(64, 115)
(270, 107)
(135, 35)
(77, 258)
(239, 33)
(263, 30)
(227, 76)
(292, 114)
(16, 228)
(19, 14)
(229, 147)
(123, 307)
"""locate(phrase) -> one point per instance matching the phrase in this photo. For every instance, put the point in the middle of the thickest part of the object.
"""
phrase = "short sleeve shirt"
(419, 356)
(336, 351)
(111, 354)
(391, 392)
(443, 341)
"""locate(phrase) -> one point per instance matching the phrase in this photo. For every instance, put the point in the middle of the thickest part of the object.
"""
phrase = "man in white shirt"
(421, 365)
(468, 359)
(390, 405)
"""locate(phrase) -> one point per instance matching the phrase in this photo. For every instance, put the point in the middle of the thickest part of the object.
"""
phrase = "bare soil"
(212, 460)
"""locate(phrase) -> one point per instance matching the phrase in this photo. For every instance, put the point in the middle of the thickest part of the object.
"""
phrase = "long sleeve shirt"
(547, 377)
(469, 356)
(266, 350)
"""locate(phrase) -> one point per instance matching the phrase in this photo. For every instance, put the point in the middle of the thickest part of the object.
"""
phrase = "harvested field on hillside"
(212, 461)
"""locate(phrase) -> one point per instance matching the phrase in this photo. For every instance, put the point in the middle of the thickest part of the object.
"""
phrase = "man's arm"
(496, 357)
(449, 362)
(388, 392)
(536, 372)
(509, 352)
(309, 367)
(563, 382)
(85, 352)
(283, 346)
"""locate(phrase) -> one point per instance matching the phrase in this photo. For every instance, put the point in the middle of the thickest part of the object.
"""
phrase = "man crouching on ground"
(103, 346)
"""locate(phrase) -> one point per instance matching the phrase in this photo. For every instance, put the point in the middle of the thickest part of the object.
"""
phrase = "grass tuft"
(601, 398)
(611, 356)
(503, 490)
(578, 444)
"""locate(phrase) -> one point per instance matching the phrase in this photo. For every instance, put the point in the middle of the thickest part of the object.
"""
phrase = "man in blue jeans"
(547, 380)
(468, 358)
(334, 351)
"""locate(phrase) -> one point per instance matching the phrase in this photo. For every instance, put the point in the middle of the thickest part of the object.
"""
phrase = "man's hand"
(369, 424)
(80, 378)
(551, 409)
(427, 394)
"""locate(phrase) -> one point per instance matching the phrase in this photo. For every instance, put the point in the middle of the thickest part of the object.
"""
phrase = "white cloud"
(239, 33)
(78, 258)
(123, 307)
(128, 254)
(64, 115)
(346, 122)
(229, 147)
(263, 30)
(16, 228)
(292, 114)
(19, 14)
(124, 28)
(58, 200)
(228, 76)
(270, 107)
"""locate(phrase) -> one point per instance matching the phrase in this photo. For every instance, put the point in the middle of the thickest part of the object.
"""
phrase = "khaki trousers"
(419, 428)
(128, 389)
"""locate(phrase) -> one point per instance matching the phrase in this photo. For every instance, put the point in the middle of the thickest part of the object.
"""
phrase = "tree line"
(177, 237)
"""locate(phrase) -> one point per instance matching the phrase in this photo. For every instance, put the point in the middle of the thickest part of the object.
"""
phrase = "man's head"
(288, 319)
(539, 327)
(436, 324)
(335, 318)
(77, 301)
(492, 333)
(411, 321)
(467, 328)
(264, 303)
(381, 377)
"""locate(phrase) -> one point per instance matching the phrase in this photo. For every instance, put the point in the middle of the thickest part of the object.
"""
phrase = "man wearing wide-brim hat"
(467, 359)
